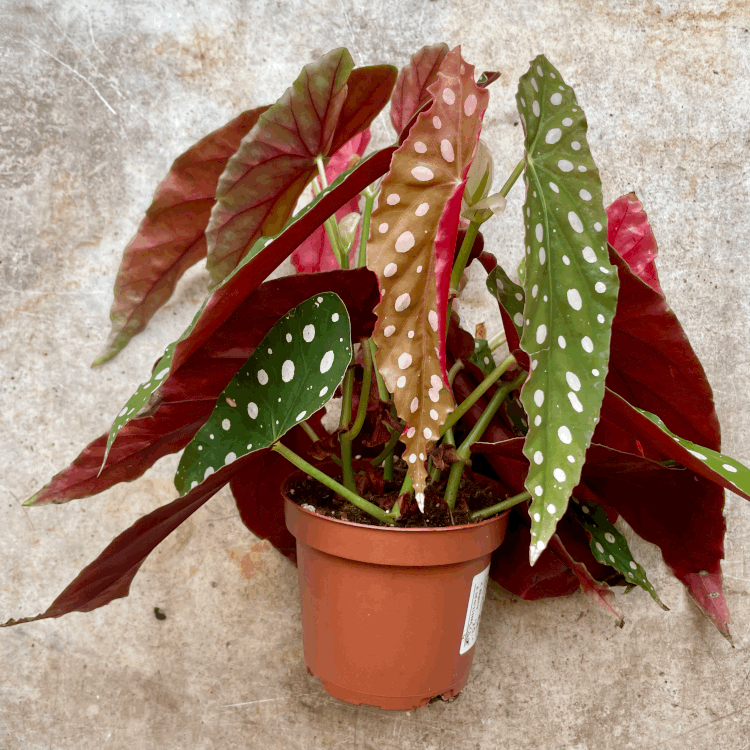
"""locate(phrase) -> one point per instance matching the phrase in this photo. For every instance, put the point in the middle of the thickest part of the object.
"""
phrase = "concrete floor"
(98, 99)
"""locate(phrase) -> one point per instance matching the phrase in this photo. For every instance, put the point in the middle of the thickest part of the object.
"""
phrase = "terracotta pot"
(390, 616)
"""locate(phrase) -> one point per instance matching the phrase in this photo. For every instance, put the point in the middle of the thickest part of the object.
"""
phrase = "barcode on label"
(474, 610)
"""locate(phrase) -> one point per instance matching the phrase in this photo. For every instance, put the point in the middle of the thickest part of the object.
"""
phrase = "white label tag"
(474, 612)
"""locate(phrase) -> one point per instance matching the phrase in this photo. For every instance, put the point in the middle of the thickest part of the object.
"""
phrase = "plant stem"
(497, 340)
(500, 507)
(477, 393)
(365, 231)
(388, 450)
(332, 228)
(346, 445)
(388, 466)
(458, 365)
(463, 256)
(514, 175)
(454, 480)
(332, 484)
(309, 431)
(364, 395)
(476, 432)
(382, 390)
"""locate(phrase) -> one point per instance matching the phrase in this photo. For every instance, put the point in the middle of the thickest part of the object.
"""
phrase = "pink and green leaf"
(629, 232)
(326, 106)
(410, 93)
(411, 249)
(570, 294)
(171, 237)
(292, 373)
(315, 253)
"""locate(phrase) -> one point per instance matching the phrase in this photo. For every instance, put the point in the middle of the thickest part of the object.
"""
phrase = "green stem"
(514, 175)
(332, 228)
(500, 507)
(406, 486)
(454, 480)
(388, 466)
(477, 393)
(309, 431)
(497, 340)
(332, 484)
(458, 365)
(369, 203)
(364, 395)
(388, 450)
(463, 256)
(382, 390)
(476, 432)
(346, 445)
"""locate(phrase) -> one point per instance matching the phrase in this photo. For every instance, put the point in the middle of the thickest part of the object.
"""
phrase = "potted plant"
(599, 409)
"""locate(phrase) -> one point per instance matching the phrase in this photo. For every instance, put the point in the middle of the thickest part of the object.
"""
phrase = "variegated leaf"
(482, 356)
(610, 547)
(413, 233)
(571, 294)
(509, 295)
(292, 373)
(736, 476)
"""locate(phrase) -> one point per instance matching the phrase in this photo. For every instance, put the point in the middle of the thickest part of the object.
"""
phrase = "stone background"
(97, 99)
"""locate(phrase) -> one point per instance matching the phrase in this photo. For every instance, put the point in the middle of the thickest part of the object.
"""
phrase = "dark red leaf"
(171, 237)
(410, 92)
(255, 270)
(187, 396)
(262, 182)
(257, 490)
(110, 575)
(629, 232)
(653, 366)
(315, 253)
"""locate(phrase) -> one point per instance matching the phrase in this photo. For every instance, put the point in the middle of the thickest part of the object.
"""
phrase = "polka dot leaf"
(570, 294)
(482, 356)
(411, 246)
(711, 464)
(292, 373)
(510, 296)
(140, 401)
(609, 546)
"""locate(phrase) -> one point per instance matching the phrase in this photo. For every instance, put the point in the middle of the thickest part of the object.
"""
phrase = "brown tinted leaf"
(411, 249)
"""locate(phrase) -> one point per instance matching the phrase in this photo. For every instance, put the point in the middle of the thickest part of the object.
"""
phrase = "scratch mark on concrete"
(265, 700)
(709, 723)
(74, 72)
(91, 33)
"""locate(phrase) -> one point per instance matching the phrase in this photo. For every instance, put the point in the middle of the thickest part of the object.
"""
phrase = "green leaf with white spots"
(139, 402)
(570, 294)
(710, 463)
(609, 546)
(292, 373)
(482, 356)
(508, 294)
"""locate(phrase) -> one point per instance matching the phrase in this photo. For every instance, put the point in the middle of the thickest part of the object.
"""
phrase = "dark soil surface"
(472, 495)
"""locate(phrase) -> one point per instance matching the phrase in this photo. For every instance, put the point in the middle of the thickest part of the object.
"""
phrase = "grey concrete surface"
(97, 100)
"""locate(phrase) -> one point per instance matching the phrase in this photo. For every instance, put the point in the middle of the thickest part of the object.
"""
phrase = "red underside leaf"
(653, 366)
(227, 297)
(256, 490)
(629, 232)
(315, 253)
(326, 106)
(109, 576)
(171, 237)
(410, 92)
(188, 396)
(675, 509)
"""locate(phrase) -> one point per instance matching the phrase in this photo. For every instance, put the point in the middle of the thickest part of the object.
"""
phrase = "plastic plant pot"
(390, 615)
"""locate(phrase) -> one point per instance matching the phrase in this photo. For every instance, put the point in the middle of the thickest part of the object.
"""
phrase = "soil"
(472, 495)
